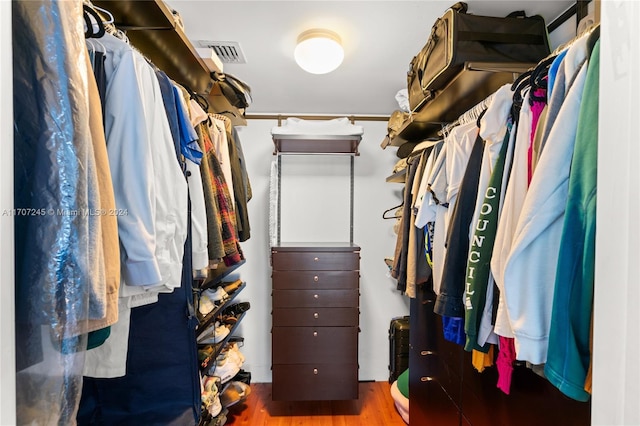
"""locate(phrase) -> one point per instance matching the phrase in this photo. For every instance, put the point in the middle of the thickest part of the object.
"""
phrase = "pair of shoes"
(215, 333)
(230, 287)
(209, 298)
(233, 353)
(210, 396)
(234, 350)
(229, 320)
(225, 368)
(234, 393)
(236, 309)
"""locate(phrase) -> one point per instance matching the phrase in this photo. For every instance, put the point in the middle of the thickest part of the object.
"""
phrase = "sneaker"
(236, 309)
(232, 352)
(210, 395)
(224, 368)
(208, 300)
(234, 393)
(215, 333)
(233, 348)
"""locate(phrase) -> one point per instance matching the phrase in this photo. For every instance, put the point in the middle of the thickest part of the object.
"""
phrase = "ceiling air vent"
(229, 52)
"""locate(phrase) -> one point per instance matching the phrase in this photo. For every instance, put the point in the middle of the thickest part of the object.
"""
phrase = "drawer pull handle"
(315, 259)
(315, 371)
(315, 334)
(315, 315)
(315, 296)
(316, 278)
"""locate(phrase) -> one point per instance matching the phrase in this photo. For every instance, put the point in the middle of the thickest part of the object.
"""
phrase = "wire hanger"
(395, 210)
(111, 20)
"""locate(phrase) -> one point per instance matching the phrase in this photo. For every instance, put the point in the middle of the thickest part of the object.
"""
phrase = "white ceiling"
(380, 39)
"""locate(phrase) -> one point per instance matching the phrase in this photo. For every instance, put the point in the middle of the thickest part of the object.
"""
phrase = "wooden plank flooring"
(374, 408)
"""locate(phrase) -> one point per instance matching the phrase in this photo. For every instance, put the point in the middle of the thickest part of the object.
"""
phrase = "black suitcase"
(398, 347)
(458, 37)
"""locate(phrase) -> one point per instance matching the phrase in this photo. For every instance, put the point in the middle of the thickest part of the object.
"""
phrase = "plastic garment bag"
(54, 190)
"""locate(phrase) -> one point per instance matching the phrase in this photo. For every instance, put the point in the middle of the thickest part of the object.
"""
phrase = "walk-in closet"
(319, 213)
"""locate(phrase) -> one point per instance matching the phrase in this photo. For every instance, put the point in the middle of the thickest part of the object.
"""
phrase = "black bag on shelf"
(458, 37)
(237, 92)
(398, 347)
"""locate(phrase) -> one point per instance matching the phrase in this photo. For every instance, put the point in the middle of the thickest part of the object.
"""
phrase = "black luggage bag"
(398, 347)
(458, 37)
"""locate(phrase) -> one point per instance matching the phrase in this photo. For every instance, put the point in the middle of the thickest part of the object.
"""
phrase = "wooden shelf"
(316, 144)
(473, 84)
(398, 177)
(150, 27)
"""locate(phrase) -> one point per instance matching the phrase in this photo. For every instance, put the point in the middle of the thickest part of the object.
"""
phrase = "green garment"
(569, 353)
(480, 251)
(403, 383)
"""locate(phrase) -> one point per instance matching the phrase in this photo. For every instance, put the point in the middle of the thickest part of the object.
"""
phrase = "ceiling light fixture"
(319, 51)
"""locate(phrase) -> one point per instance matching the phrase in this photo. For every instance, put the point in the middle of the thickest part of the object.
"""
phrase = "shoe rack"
(207, 365)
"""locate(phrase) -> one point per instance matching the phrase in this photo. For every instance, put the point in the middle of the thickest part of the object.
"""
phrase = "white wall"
(616, 375)
(7, 354)
(305, 179)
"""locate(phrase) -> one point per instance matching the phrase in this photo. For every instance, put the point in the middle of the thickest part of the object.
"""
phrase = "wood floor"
(374, 408)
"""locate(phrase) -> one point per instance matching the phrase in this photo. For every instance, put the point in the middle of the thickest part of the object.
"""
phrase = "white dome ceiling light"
(319, 51)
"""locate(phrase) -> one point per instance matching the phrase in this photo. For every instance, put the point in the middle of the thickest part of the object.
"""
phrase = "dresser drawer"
(315, 298)
(304, 345)
(315, 261)
(315, 382)
(315, 317)
(287, 280)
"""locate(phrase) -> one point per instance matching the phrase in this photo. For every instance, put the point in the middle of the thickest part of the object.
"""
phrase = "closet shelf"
(315, 246)
(209, 318)
(220, 273)
(151, 28)
(316, 144)
(398, 177)
(473, 84)
(206, 363)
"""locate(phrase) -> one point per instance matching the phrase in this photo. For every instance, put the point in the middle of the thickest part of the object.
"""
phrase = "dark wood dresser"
(315, 321)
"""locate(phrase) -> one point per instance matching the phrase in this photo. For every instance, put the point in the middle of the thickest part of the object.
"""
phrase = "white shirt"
(512, 206)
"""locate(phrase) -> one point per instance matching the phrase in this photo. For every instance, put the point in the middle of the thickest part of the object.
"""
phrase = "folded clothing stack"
(335, 127)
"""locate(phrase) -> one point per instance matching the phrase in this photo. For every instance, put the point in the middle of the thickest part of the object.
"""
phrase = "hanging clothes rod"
(281, 117)
(579, 9)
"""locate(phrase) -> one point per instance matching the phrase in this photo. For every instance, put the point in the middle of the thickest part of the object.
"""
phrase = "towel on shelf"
(335, 127)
